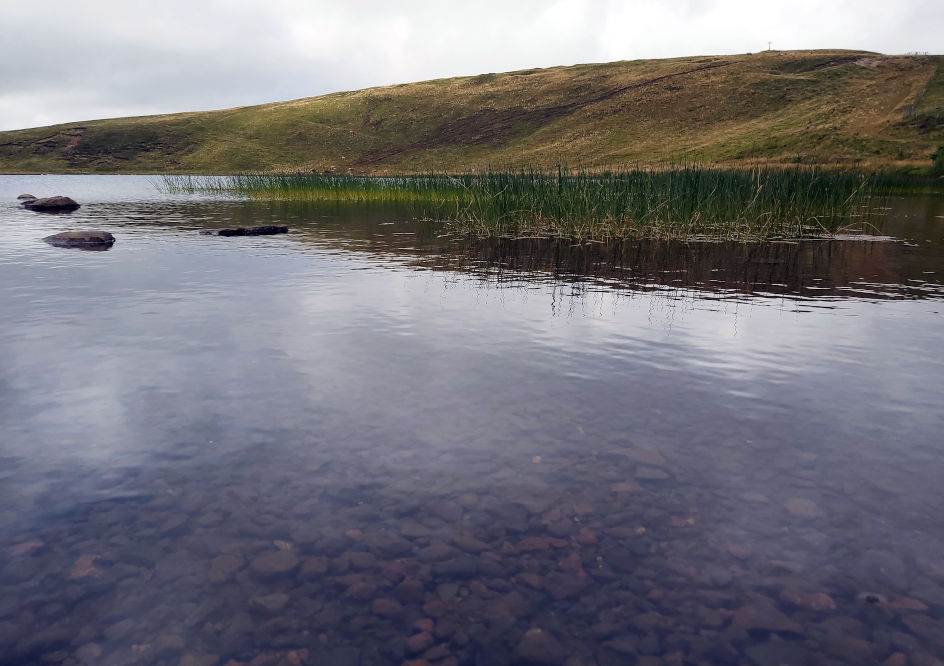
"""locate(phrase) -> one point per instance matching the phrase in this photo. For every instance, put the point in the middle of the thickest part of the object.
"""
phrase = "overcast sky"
(66, 61)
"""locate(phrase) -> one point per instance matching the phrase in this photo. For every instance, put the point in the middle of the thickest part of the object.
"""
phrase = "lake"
(372, 442)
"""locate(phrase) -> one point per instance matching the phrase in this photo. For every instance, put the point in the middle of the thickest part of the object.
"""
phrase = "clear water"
(371, 442)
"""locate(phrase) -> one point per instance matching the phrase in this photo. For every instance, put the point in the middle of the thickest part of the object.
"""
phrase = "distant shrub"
(937, 159)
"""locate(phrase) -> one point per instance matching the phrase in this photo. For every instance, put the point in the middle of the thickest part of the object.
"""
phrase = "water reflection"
(369, 442)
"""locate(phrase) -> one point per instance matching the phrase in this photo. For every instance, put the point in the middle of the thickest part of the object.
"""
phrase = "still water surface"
(371, 442)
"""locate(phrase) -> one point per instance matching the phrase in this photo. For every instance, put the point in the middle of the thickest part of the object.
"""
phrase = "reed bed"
(690, 202)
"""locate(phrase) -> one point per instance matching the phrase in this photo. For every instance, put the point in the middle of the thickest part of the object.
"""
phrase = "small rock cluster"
(103, 240)
(85, 240)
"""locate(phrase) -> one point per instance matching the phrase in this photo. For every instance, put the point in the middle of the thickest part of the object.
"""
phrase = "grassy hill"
(833, 107)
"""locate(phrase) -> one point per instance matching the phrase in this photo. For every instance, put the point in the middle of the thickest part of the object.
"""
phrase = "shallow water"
(372, 441)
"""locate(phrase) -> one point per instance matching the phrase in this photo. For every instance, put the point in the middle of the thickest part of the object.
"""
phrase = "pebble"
(223, 567)
(757, 498)
(896, 659)
(817, 601)
(470, 544)
(269, 603)
(436, 653)
(626, 487)
(26, 548)
(645, 457)
(803, 508)
(275, 564)
(360, 560)
(539, 647)
(409, 590)
(532, 580)
(681, 522)
(562, 585)
(386, 607)
(586, 537)
(84, 567)
(651, 474)
(850, 649)
(434, 609)
(777, 653)
(468, 500)
(424, 624)
(197, 659)
(448, 511)
(119, 630)
(313, 567)
(647, 660)
(459, 567)
(623, 644)
(926, 627)
(419, 642)
(166, 646)
(536, 543)
(907, 604)
(361, 590)
(436, 552)
(89, 652)
(763, 615)
(412, 530)
(447, 592)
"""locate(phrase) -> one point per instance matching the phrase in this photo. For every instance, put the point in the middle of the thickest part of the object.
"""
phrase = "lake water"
(370, 442)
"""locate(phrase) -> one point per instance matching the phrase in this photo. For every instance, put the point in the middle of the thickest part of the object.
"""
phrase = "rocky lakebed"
(365, 443)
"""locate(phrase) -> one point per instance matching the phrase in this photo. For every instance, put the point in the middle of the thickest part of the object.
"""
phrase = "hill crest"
(828, 107)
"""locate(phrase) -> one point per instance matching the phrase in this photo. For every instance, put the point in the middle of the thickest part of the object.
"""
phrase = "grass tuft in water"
(690, 202)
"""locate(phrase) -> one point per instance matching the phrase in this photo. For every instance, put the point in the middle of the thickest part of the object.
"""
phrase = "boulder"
(51, 204)
(89, 240)
(25, 196)
(264, 230)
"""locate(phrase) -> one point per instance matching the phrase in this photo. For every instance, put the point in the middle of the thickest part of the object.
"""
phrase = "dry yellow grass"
(830, 107)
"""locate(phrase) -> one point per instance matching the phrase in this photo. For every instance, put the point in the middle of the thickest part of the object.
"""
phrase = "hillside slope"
(809, 106)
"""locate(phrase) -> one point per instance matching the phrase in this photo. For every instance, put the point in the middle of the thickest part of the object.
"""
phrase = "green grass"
(827, 107)
(694, 202)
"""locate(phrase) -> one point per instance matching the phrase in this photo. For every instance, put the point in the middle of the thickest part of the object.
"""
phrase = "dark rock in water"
(238, 231)
(51, 204)
(26, 196)
(264, 230)
(88, 240)
(267, 230)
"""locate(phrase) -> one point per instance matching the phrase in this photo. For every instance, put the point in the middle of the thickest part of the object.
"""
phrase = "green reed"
(762, 203)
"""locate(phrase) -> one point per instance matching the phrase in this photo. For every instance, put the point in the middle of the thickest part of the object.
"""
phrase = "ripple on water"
(348, 446)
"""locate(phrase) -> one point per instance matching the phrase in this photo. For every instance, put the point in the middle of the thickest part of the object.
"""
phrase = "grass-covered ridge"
(760, 203)
(823, 107)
